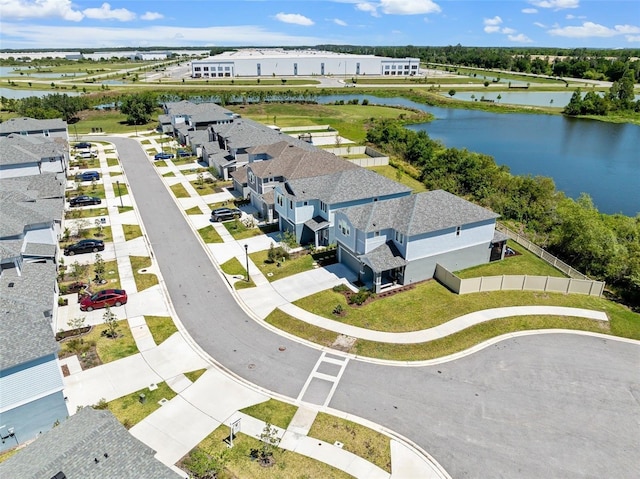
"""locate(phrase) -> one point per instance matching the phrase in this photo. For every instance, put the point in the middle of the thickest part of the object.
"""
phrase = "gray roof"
(418, 214)
(74, 446)
(42, 186)
(240, 175)
(344, 186)
(198, 137)
(246, 133)
(383, 258)
(19, 210)
(40, 250)
(291, 162)
(199, 112)
(17, 125)
(18, 149)
(316, 223)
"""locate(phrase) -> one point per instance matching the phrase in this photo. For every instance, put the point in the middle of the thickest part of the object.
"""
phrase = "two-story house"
(32, 155)
(270, 165)
(401, 240)
(182, 118)
(53, 128)
(306, 206)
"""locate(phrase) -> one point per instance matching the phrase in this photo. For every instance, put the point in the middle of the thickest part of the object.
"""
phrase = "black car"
(84, 200)
(82, 145)
(85, 246)
(225, 214)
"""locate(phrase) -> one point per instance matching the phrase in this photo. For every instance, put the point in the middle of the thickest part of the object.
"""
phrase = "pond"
(590, 156)
(18, 94)
(532, 98)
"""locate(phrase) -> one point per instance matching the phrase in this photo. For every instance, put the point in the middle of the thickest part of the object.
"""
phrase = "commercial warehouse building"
(279, 62)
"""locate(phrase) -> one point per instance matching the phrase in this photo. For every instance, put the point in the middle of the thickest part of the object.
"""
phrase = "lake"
(17, 94)
(590, 156)
(532, 98)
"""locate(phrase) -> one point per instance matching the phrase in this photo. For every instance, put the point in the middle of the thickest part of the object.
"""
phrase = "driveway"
(552, 405)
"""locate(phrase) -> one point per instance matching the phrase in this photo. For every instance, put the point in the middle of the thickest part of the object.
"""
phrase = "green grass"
(204, 189)
(239, 231)
(349, 120)
(288, 464)
(170, 174)
(143, 280)
(180, 191)
(193, 376)
(194, 211)
(209, 233)
(130, 411)
(272, 411)
(112, 162)
(287, 268)
(111, 275)
(120, 189)
(360, 440)
(160, 163)
(233, 267)
(91, 190)
(111, 121)
(105, 235)
(131, 232)
(108, 349)
(124, 209)
(183, 161)
(88, 213)
(115, 173)
(145, 142)
(161, 327)
(524, 263)
(394, 174)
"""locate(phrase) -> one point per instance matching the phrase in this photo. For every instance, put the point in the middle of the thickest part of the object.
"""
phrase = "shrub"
(340, 288)
(338, 310)
(360, 297)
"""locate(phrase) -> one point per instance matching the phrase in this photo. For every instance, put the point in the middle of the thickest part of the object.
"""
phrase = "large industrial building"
(279, 62)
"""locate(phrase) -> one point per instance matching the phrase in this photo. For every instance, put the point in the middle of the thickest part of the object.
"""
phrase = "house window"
(344, 228)
(399, 237)
(323, 206)
(251, 176)
(290, 204)
(280, 200)
(458, 230)
(306, 203)
(376, 234)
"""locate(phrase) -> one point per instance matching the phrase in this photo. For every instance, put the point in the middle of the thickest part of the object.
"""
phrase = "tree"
(99, 267)
(486, 83)
(76, 323)
(78, 270)
(269, 443)
(574, 107)
(452, 92)
(206, 465)
(138, 107)
(111, 321)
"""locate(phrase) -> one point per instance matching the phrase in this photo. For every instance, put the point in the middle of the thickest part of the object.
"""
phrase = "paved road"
(538, 406)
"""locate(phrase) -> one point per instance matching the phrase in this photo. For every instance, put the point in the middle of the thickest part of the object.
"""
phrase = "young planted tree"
(111, 321)
(99, 267)
(269, 443)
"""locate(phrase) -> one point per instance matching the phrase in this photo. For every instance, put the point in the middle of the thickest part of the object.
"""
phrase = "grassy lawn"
(179, 191)
(111, 275)
(115, 173)
(107, 349)
(289, 267)
(103, 233)
(87, 189)
(206, 188)
(288, 465)
(124, 209)
(161, 327)
(193, 211)
(130, 411)
(170, 174)
(112, 162)
(193, 376)
(109, 120)
(272, 411)
(160, 163)
(209, 233)
(131, 231)
(358, 439)
(523, 263)
(84, 163)
(120, 189)
(233, 267)
(184, 161)
(239, 231)
(88, 213)
(349, 120)
(143, 280)
(394, 174)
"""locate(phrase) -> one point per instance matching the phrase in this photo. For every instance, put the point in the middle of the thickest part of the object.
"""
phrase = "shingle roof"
(19, 210)
(44, 185)
(246, 133)
(344, 186)
(199, 112)
(74, 446)
(17, 125)
(383, 258)
(418, 214)
(18, 149)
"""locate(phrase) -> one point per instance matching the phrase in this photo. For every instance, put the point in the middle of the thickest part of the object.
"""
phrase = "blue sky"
(52, 24)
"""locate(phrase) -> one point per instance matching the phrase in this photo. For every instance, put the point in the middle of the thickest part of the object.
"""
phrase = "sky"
(50, 24)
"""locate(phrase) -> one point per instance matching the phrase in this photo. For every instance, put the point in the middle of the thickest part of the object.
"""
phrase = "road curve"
(555, 405)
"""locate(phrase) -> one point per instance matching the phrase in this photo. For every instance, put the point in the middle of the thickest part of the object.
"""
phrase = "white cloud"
(294, 18)
(590, 29)
(337, 21)
(556, 4)
(409, 7)
(519, 38)
(28, 36)
(529, 10)
(633, 38)
(368, 8)
(152, 16)
(507, 30)
(538, 24)
(571, 17)
(491, 24)
(22, 9)
(105, 12)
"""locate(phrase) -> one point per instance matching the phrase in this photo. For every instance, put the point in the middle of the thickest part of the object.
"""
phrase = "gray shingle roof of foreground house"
(89, 445)
(24, 124)
(417, 214)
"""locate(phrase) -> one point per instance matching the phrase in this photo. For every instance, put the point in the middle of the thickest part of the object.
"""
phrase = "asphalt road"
(550, 406)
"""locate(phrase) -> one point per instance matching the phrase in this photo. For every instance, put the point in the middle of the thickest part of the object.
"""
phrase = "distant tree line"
(602, 246)
(620, 97)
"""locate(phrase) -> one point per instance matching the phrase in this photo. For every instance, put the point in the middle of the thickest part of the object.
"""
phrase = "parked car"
(88, 154)
(184, 153)
(85, 246)
(104, 298)
(82, 145)
(84, 200)
(163, 156)
(88, 176)
(225, 214)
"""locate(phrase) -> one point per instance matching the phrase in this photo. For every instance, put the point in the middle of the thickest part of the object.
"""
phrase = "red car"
(104, 298)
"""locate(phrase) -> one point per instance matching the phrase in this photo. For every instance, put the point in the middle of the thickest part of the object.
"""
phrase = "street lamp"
(246, 253)
(118, 186)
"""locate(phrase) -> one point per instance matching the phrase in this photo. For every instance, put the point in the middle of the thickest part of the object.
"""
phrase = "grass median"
(143, 280)
(161, 327)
